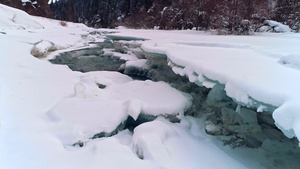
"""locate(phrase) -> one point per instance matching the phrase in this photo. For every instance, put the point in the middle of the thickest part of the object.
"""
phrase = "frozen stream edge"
(232, 135)
(256, 127)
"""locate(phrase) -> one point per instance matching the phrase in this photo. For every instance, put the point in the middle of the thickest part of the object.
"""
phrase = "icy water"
(264, 141)
(91, 59)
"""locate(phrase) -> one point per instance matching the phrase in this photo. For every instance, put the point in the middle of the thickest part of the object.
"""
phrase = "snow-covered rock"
(42, 48)
(275, 26)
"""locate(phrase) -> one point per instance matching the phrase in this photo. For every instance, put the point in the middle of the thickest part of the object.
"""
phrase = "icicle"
(238, 108)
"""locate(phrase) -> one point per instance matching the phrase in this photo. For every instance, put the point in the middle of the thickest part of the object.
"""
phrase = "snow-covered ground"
(47, 110)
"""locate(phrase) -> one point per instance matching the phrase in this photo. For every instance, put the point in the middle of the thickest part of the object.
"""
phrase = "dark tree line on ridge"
(33, 7)
(230, 16)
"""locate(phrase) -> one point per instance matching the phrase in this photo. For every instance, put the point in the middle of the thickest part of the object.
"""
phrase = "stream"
(246, 130)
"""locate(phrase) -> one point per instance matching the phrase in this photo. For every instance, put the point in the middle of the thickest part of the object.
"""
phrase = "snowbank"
(159, 141)
(249, 67)
(30, 88)
(93, 110)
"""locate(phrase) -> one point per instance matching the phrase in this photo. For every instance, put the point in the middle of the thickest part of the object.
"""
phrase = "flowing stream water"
(219, 111)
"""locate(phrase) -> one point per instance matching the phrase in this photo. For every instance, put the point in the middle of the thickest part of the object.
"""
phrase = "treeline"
(231, 16)
(33, 7)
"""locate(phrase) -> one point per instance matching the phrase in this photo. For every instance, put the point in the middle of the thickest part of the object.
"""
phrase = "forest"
(229, 16)
(225, 16)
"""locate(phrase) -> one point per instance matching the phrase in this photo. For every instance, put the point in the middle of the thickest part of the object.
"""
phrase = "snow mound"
(278, 27)
(291, 60)
(159, 141)
(157, 97)
(95, 110)
(141, 63)
(42, 48)
(109, 78)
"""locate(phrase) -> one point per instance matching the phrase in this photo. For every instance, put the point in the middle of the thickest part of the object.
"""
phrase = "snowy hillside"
(54, 117)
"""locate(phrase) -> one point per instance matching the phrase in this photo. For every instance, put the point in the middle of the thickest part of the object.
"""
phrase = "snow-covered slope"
(48, 111)
(11, 17)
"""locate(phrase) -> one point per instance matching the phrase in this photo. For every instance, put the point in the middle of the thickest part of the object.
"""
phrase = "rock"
(101, 86)
(252, 142)
(243, 129)
(212, 129)
(80, 143)
(248, 116)
(174, 118)
(230, 117)
(242, 122)
(42, 48)
(273, 134)
(135, 72)
(120, 127)
(266, 118)
(244, 116)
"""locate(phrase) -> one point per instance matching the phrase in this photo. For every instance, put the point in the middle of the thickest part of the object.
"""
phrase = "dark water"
(90, 59)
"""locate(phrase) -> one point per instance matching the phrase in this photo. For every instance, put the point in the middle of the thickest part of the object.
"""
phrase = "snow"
(43, 47)
(159, 141)
(46, 108)
(141, 63)
(11, 17)
(156, 97)
(291, 60)
(249, 67)
(110, 107)
(31, 87)
(278, 27)
(123, 56)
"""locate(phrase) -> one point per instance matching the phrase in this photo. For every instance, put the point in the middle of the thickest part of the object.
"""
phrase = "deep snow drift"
(51, 116)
